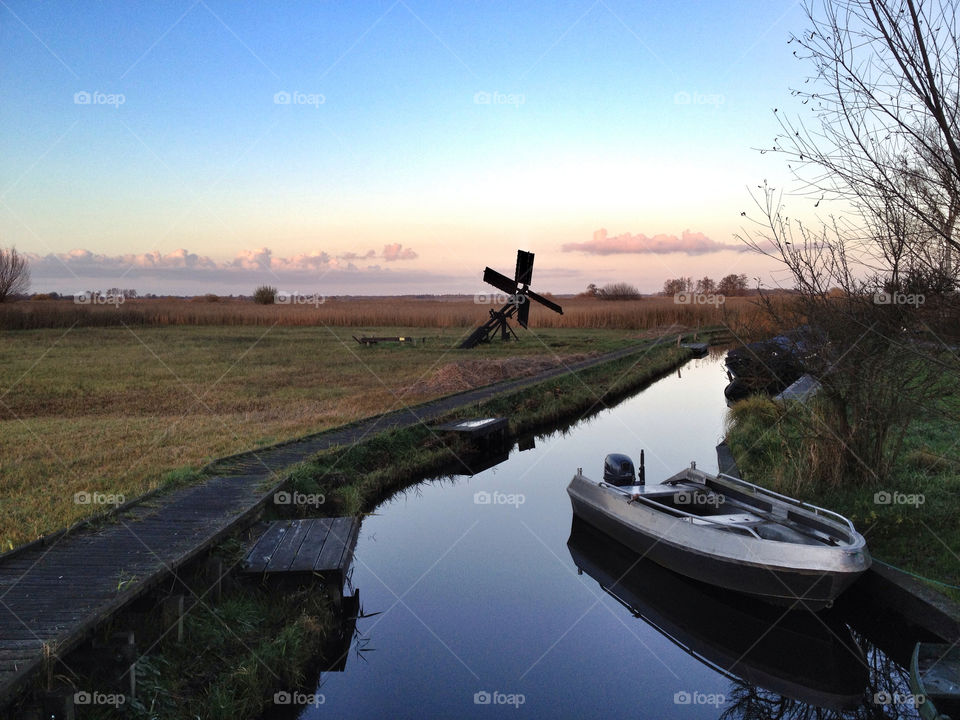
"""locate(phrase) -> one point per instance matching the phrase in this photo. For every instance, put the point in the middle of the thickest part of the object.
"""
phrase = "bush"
(265, 295)
(618, 291)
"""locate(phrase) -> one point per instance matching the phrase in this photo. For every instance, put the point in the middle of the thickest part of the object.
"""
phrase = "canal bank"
(574, 390)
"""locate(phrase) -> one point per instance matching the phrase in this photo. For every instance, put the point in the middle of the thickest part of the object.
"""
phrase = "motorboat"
(725, 531)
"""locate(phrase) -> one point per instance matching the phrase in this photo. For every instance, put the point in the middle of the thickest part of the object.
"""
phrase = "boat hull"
(805, 577)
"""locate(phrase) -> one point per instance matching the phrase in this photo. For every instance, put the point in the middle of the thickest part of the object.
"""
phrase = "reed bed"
(437, 312)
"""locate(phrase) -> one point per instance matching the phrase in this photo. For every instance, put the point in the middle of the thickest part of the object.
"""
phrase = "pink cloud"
(396, 251)
(689, 243)
(80, 262)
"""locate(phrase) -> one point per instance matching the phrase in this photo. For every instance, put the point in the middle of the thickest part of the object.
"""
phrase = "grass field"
(115, 410)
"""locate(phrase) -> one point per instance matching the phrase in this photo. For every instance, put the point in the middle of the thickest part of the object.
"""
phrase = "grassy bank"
(114, 410)
(355, 478)
(254, 642)
(908, 519)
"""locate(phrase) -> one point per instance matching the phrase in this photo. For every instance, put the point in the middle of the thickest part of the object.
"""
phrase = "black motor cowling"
(618, 470)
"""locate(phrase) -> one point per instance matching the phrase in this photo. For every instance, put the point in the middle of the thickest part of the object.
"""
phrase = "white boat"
(725, 531)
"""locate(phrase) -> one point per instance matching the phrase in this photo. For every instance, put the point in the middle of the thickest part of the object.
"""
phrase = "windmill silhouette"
(518, 304)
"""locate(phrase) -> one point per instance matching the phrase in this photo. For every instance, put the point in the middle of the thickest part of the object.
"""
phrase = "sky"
(387, 147)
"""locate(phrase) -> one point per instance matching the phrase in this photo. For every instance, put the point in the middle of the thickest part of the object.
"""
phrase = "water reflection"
(782, 664)
(465, 597)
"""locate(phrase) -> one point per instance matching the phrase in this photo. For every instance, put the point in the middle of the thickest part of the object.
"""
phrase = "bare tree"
(872, 285)
(672, 286)
(14, 274)
(885, 96)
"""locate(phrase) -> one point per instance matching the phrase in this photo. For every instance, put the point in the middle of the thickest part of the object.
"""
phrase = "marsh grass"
(116, 410)
(778, 447)
(410, 312)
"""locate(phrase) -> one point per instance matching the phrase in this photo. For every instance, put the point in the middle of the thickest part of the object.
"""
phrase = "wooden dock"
(314, 546)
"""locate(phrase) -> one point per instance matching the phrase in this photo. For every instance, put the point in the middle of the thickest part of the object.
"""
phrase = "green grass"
(775, 448)
(344, 476)
(115, 410)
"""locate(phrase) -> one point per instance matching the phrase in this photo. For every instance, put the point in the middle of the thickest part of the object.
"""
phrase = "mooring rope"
(919, 577)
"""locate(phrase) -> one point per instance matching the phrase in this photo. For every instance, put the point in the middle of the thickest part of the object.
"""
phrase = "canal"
(482, 599)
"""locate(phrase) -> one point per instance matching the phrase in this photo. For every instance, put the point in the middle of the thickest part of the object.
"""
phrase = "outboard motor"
(618, 470)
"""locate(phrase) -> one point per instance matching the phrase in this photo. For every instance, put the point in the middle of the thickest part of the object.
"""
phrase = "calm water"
(467, 601)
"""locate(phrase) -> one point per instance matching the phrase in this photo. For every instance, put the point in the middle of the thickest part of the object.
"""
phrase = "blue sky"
(422, 140)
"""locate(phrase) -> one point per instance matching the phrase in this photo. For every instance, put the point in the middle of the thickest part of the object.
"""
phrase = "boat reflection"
(799, 656)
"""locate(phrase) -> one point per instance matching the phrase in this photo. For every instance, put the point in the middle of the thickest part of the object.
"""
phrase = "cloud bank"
(689, 243)
(83, 263)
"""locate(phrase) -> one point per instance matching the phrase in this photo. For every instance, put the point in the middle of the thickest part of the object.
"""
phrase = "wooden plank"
(288, 547)
(332, 552)
(312, 545)
(350, 546)
(258, 558)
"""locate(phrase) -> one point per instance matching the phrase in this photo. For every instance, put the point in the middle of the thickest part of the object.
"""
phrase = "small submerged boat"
(725, 531)
(935, 680)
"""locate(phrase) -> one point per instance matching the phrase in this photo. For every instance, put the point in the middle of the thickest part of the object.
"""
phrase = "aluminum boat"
(725, 531)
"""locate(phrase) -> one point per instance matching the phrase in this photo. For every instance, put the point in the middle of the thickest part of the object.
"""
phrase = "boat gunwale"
(828, 559)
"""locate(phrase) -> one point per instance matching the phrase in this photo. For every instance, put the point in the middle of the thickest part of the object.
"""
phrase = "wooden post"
(213, 571)
(173, 614)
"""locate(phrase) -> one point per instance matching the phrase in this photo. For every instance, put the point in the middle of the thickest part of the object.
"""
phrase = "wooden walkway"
(55, 591)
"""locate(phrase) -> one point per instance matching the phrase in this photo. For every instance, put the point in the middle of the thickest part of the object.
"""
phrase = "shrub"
(265, 295)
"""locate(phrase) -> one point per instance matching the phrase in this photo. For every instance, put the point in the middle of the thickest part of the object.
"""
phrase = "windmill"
(518, 304)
